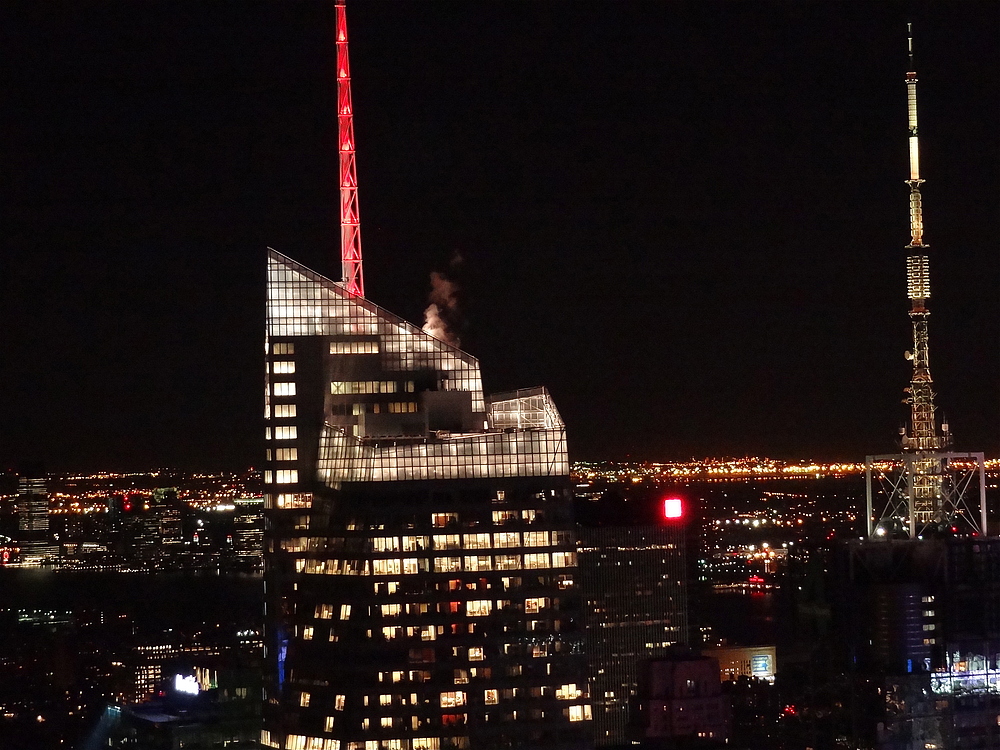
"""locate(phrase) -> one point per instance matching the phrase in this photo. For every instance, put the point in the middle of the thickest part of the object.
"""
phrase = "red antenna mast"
(350, 229)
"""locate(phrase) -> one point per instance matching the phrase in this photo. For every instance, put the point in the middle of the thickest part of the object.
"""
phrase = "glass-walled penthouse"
(420, 552)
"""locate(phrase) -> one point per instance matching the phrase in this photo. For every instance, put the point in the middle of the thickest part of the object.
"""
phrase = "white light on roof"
(186, 684)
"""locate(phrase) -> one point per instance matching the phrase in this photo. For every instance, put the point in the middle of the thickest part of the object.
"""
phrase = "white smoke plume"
(440, 315)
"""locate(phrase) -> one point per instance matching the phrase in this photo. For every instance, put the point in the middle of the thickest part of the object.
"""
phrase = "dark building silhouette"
(921, 617)
(634, 582)
(681, 701)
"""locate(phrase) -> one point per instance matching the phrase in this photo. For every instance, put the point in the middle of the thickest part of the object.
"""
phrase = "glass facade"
(635, 609)
(420, 558)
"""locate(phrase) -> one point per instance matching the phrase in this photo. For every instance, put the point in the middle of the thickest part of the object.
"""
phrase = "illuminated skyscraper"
(420, 558)
(33, 519)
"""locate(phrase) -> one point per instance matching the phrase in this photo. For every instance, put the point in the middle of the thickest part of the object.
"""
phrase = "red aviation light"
(673, 508)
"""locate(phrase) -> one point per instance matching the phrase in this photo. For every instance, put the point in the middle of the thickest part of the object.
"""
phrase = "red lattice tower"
(350, 229)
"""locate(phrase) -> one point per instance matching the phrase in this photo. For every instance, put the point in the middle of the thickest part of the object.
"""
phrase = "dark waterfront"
(151, 599)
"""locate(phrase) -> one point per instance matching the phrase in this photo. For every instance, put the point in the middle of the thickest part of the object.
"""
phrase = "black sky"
(685, 218)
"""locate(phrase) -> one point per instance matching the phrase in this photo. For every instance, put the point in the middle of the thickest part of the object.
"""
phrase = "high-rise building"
(420, 558)
(635, 589)
(33, 519)
(248, 528)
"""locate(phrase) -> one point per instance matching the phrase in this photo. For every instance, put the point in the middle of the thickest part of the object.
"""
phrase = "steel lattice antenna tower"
(350, 229)
(922, 434)
(927, 489)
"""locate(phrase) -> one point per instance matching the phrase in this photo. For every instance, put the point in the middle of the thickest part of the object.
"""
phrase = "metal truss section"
(350, 226)
(914, 495)
(525, 408)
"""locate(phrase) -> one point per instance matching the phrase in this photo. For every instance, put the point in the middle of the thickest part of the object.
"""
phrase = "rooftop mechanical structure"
(927, 489)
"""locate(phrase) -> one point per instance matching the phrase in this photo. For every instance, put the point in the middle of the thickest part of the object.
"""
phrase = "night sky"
(687, 219)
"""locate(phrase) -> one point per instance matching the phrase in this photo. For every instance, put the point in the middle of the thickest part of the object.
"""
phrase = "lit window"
(447, 564)
(507, 538)
(386, 567)
(443, 520)
(385, 544)
(402, 407)
(536, 539)
(328, 726)
(491, 697)
(507, 562)
(287, 454)
(568, 692)
(563, 559)
(532, 606)
(536, 560)
(452, 699)
(385, 699)
(267, 431)
(478, 607)
(284, 349)
(283, 368)
(307, 633)
(476, 653)
(283, 389)
(479, 562)
(476, 541)
(579, 713)
(284, 411)
(345, 611)
(338, 702)
(387, 722)
(353, 347)
(286, 476)
(447, 541)
(295, 500)
(304, 700)
(461, 676)
(348, 388)
(324, 611)
(285, 432)
(415, 543)
(392, 610)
